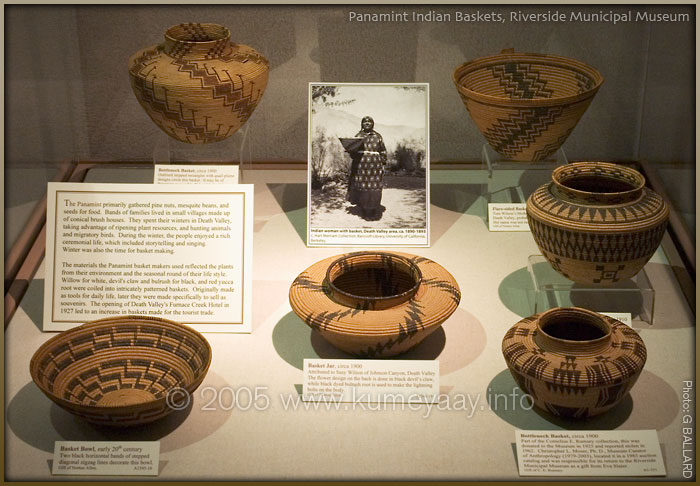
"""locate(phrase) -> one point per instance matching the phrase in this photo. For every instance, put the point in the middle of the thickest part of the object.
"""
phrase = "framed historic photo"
(369, 165)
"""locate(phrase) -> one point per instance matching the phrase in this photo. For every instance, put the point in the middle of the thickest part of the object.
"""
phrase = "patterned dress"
(367, 172)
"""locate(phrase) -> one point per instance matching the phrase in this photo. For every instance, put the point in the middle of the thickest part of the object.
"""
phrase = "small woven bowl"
(526, 105)
(122, 371)
(574, 362)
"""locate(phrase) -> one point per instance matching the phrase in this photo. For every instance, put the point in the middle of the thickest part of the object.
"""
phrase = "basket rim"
(565, 62)
(111, 320)
(534, 210)
(370, 323)
(616, 336)
(559, 180)
(375, 299)
(225, 34)
(556, 312)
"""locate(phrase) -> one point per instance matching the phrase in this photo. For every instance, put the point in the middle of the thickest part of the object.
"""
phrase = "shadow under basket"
(122, 371)
(374, 304)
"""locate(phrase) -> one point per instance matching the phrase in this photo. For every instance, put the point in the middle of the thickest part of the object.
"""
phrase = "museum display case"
(71, 116)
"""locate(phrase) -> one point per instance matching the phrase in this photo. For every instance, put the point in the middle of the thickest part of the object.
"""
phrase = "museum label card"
(371, 381)
(182, 252)
(195, 174)
(589, 453)
(368, 165)
(86, 458)
(623, 317)
(507, 217)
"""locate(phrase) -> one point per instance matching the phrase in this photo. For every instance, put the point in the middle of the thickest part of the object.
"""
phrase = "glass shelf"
(635, 296)
(509, 181)
(235, 149)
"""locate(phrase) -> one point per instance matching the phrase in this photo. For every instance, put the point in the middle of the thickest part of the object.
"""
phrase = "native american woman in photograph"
(367, 171)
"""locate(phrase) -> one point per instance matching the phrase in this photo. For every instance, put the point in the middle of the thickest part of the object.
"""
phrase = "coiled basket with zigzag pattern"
(526, 105)
(374, 304)
(122, 371)
(198, 86)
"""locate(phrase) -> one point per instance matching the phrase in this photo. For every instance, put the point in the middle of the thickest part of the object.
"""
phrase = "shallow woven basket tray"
(352, 144)
(119, 371)
(526, 105)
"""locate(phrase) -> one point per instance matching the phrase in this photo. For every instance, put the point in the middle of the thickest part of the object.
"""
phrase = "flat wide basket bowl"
(526, 105)
(352, 144)
(122, 371)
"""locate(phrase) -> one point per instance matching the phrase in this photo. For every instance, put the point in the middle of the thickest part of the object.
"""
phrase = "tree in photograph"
(409, 155)
(319, 149)
(323, 96)
(340, 162)
(416, 89)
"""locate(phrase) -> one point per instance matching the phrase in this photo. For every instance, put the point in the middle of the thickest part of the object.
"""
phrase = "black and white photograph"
(368, 178)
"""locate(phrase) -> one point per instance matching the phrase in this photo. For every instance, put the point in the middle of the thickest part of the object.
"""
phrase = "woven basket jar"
(595, 222)
(573, 362)
(197, 86)
(122, 371)
(526, 105)
(374, 304)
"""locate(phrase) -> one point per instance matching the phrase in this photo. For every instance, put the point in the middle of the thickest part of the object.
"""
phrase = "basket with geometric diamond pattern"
(573, 362)
(526, 105)
(595, 222)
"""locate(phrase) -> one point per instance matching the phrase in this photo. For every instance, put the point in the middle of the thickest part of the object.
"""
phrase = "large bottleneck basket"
(526, 105)
(198, 86)
(574, 362)
(374, 304)
(596, 223)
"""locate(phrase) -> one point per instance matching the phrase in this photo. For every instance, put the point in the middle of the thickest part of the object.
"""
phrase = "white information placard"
(195, 174)
(623, 317)
(86, 458)
(183, 252)
(369, 165)
(589, 453)
(507, 217)
(375, 381)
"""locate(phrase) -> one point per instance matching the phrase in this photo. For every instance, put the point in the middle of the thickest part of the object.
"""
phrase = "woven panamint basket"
(122, 371)
(374, 304)
(596, 223)
(198, 86)
(526, 105)
(574, 362)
